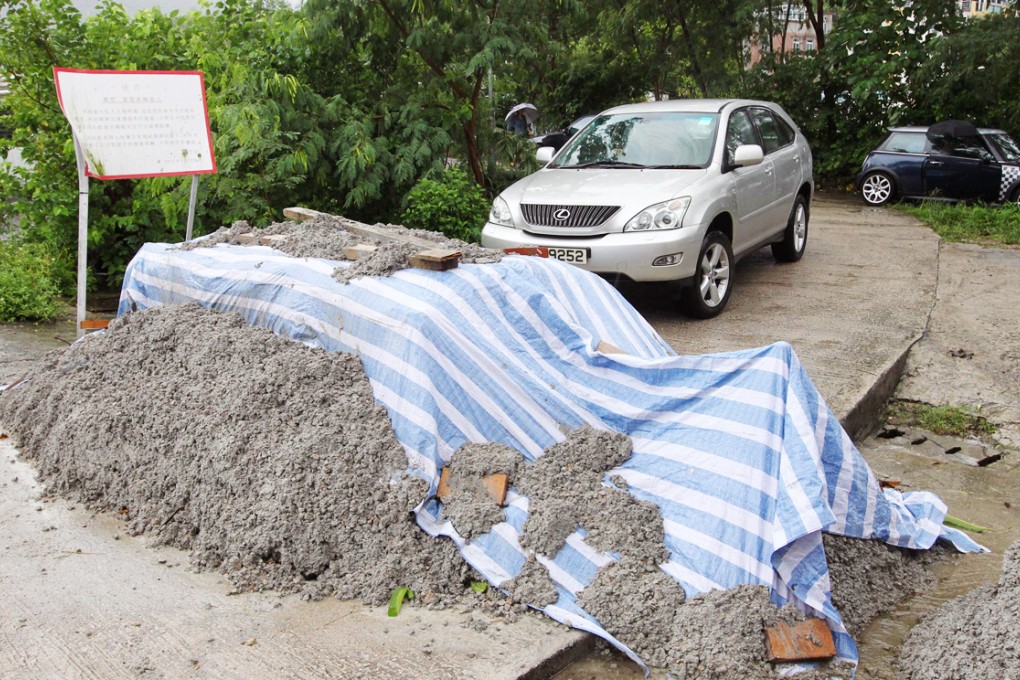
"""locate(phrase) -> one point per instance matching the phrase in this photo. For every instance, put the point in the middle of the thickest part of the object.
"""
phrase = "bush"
(451, 204)
(28, 289)
(970, 223)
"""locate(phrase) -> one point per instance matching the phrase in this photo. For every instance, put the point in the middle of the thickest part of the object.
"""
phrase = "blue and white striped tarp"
(738, 450)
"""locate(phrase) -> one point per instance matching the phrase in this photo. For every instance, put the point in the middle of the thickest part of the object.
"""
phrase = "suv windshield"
(645, 140)
(1006, 145)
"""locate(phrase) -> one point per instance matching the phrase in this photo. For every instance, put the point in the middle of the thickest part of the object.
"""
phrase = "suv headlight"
(500, 213)
(665, 215)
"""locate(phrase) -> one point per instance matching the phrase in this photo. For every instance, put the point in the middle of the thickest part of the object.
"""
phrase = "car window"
(961, 147)
(905, 142)
(769, 130)
(648, 139)
(786, 133)
(739, 131)
(1006, 145)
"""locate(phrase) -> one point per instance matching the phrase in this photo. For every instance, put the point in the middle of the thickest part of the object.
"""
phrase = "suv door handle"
(936, 163)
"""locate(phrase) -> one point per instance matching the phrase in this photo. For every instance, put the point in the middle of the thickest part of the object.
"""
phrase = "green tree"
(433, 60)
(973, 73)
(845, 95)
(268, 124)
(450, 203)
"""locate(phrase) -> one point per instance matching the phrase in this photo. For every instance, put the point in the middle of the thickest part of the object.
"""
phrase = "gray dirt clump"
(268, 460)
(973, 637)
(565, 491)
(719, 635)
(870, 577)
(638, 602)
(325, 237)
(468, 506)
(533, 585)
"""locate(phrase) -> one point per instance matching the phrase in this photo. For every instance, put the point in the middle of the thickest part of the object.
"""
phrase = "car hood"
(628, 188)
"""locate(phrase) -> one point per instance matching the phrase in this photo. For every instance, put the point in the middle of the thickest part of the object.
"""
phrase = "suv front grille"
(577, 216)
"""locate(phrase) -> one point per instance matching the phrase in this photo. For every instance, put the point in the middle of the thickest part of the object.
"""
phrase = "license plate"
(572, 255)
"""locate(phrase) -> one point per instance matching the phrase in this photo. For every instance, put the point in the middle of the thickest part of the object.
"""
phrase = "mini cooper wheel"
(877, 189)
(710, 292)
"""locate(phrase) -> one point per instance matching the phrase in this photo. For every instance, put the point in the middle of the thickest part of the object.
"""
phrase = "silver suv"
(667, 191)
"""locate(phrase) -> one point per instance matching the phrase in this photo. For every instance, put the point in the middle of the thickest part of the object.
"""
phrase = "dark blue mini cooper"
(951, 161)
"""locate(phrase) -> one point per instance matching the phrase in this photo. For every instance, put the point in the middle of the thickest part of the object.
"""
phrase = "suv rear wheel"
(877, 188)
(713, 282)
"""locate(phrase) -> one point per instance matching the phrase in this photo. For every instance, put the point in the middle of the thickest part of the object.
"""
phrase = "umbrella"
(952, 128)
(529, 110)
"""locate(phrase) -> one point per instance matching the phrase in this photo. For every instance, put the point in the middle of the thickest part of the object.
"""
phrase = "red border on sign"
(205, 108)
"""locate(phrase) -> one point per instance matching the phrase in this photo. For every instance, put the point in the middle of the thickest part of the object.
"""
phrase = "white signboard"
(138, 123)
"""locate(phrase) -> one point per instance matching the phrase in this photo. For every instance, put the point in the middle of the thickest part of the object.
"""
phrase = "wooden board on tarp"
(808, 640)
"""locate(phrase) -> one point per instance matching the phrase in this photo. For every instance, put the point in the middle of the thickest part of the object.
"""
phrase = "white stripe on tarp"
(710, 544)
(707, 461)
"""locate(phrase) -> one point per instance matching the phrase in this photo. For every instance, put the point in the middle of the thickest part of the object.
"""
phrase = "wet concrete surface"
(988, 496)
(869, 288)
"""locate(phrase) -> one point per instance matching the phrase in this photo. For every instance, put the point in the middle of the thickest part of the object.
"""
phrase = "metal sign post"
(191, 207)
(83, 233)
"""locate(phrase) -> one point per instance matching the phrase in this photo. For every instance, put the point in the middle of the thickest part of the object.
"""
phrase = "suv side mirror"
(748, 154)
(544, 154)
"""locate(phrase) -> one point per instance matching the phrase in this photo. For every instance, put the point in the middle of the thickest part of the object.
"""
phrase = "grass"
(970, 223)
(945, 420)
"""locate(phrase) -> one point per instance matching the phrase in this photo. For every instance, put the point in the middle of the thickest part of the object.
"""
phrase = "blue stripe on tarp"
(744, 460)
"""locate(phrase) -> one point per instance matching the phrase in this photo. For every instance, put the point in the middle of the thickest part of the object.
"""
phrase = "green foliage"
(451, 204)
(29, 290)
(972, 73)
(963, 223)
(845, 96)
(947, 420)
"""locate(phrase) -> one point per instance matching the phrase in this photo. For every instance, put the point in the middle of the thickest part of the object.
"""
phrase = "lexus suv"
(667, 191)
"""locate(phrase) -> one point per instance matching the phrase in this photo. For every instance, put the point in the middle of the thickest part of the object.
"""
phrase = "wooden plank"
(303, 214)
(444, 484)
(606, 348)
(359, 251)
(359, 228)
(273, 240)
(95, 324)
(805, 640)
(494, 486)
(435, 259)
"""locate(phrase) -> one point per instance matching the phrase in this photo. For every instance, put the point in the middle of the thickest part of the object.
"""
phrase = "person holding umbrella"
(520, 118)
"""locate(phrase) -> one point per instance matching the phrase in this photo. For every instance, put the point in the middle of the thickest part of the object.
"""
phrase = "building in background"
(972, 8)
(793, 32)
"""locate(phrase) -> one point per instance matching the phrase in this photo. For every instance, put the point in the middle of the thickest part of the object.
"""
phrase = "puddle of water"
(605, 664)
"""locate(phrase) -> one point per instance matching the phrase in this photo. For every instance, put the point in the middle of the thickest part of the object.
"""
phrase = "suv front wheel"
(713, 281)
(791, 248)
